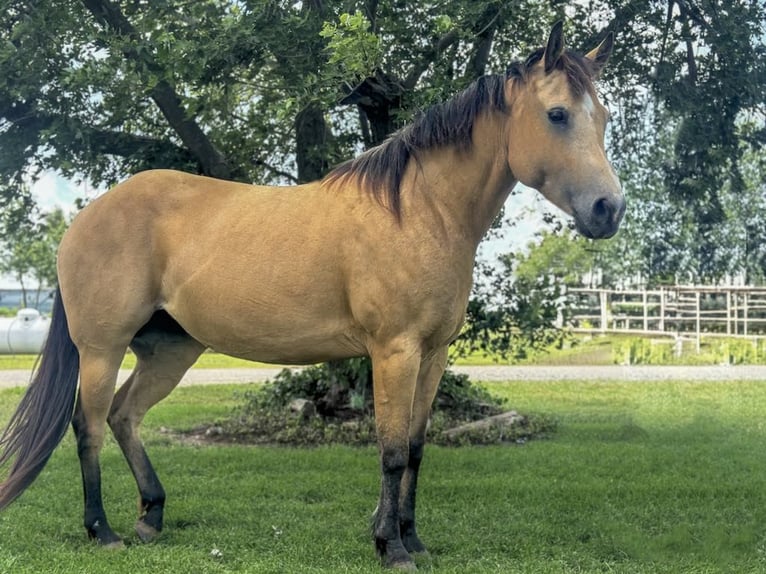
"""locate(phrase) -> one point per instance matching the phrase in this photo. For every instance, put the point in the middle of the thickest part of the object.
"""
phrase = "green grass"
(596, 350)
(665, 477)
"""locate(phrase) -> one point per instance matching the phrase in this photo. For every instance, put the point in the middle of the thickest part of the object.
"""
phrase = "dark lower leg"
(88, 449)
(407, 500)
(151, 502)
(163, 358)
(430, 374)
(386, 528)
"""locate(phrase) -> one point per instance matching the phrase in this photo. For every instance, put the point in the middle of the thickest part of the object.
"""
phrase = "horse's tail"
(43, 415)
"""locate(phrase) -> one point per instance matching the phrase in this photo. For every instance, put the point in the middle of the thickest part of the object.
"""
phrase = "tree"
(235, 90)
(277, 92)
(512, 317)
(28, 250)
(565, 256)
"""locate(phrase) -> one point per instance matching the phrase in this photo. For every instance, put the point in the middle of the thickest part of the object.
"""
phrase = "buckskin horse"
(374, 260)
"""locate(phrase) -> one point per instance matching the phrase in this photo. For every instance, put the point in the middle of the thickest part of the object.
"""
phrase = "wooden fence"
(675, 311)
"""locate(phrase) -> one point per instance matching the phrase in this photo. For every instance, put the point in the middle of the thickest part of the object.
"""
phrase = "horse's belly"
(284, 344)
(269, 329)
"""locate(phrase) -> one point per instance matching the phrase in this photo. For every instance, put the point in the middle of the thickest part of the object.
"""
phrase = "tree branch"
(427, 58)
(371, 12)
(690, 59)
(99, 141)
(276, 171)
(484, 34)
(211, 160)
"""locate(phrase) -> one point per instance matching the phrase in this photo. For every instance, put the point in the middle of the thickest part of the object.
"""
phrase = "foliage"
(713, 351)
(354, 50)
(663, 241)
(344, 411)
(339, 389)
(94, 89)
(28, 249)
(641, 351)
(566, 256)
(739, 351)
(513, 317)
(686, 90)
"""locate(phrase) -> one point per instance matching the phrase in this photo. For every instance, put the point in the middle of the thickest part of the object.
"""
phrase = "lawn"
(640, 477)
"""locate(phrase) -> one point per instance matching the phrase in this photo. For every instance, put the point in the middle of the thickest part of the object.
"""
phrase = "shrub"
(739, 351)
(344, 411)
(641, 351)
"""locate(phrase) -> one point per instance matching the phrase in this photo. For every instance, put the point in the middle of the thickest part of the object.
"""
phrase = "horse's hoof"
(145, 532)
(114, 545)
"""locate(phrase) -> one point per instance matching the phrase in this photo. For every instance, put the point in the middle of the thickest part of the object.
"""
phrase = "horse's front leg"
(395, 368)
(431, 371)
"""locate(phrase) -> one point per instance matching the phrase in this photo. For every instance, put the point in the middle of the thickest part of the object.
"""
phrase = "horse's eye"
(558, 116)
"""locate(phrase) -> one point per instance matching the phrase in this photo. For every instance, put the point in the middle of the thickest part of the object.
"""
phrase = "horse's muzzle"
(604, 218)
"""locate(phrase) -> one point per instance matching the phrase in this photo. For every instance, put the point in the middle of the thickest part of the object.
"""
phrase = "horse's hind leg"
(163, 356)
(98, 377)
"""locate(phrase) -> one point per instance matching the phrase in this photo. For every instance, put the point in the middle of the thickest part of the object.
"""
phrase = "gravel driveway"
(488, 373)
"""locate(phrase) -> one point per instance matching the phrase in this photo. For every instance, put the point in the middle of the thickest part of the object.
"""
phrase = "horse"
(375, 259)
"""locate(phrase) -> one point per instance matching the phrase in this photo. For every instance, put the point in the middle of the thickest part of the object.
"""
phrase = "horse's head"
(556, 134)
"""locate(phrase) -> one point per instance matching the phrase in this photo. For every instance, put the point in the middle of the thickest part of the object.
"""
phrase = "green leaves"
(354, 51)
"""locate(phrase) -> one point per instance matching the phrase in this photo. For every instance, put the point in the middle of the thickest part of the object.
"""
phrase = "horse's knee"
(120, 424)
(394, 458)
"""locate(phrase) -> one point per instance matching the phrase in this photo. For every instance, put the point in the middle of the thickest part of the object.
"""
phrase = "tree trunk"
(311, 154)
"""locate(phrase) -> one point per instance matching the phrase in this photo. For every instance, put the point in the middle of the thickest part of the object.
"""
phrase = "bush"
(513, 318)
(344, 410)
(727, 351)
(739, 351)
(643, 352)
(8, 312)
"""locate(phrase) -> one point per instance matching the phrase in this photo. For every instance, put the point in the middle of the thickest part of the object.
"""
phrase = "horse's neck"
(466, 188)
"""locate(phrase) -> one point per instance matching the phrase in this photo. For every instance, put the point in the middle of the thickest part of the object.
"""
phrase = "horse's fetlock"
(153, 501)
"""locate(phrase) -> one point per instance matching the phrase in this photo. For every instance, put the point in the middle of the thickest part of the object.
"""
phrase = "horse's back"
(237, 266)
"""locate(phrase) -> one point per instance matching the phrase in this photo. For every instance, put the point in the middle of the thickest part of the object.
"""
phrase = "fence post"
(604, 317)
(728, 312)
(662, 309)
(697, 302)
(646, 310)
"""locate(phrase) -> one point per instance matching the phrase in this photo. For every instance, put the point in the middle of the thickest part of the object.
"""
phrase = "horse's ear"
(600, 55)
(555, 46)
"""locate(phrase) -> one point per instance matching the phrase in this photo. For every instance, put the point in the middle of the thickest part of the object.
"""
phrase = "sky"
(51, 190)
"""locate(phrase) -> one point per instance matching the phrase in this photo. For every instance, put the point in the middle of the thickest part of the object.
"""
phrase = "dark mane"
(382, 168)
(578, 69)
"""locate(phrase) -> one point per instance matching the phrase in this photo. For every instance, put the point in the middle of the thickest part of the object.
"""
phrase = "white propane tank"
(24, 333)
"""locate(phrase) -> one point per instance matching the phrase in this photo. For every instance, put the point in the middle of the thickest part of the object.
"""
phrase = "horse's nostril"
(602, 209)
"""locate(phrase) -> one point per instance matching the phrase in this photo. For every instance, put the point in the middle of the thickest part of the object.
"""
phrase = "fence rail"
(677, 311)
